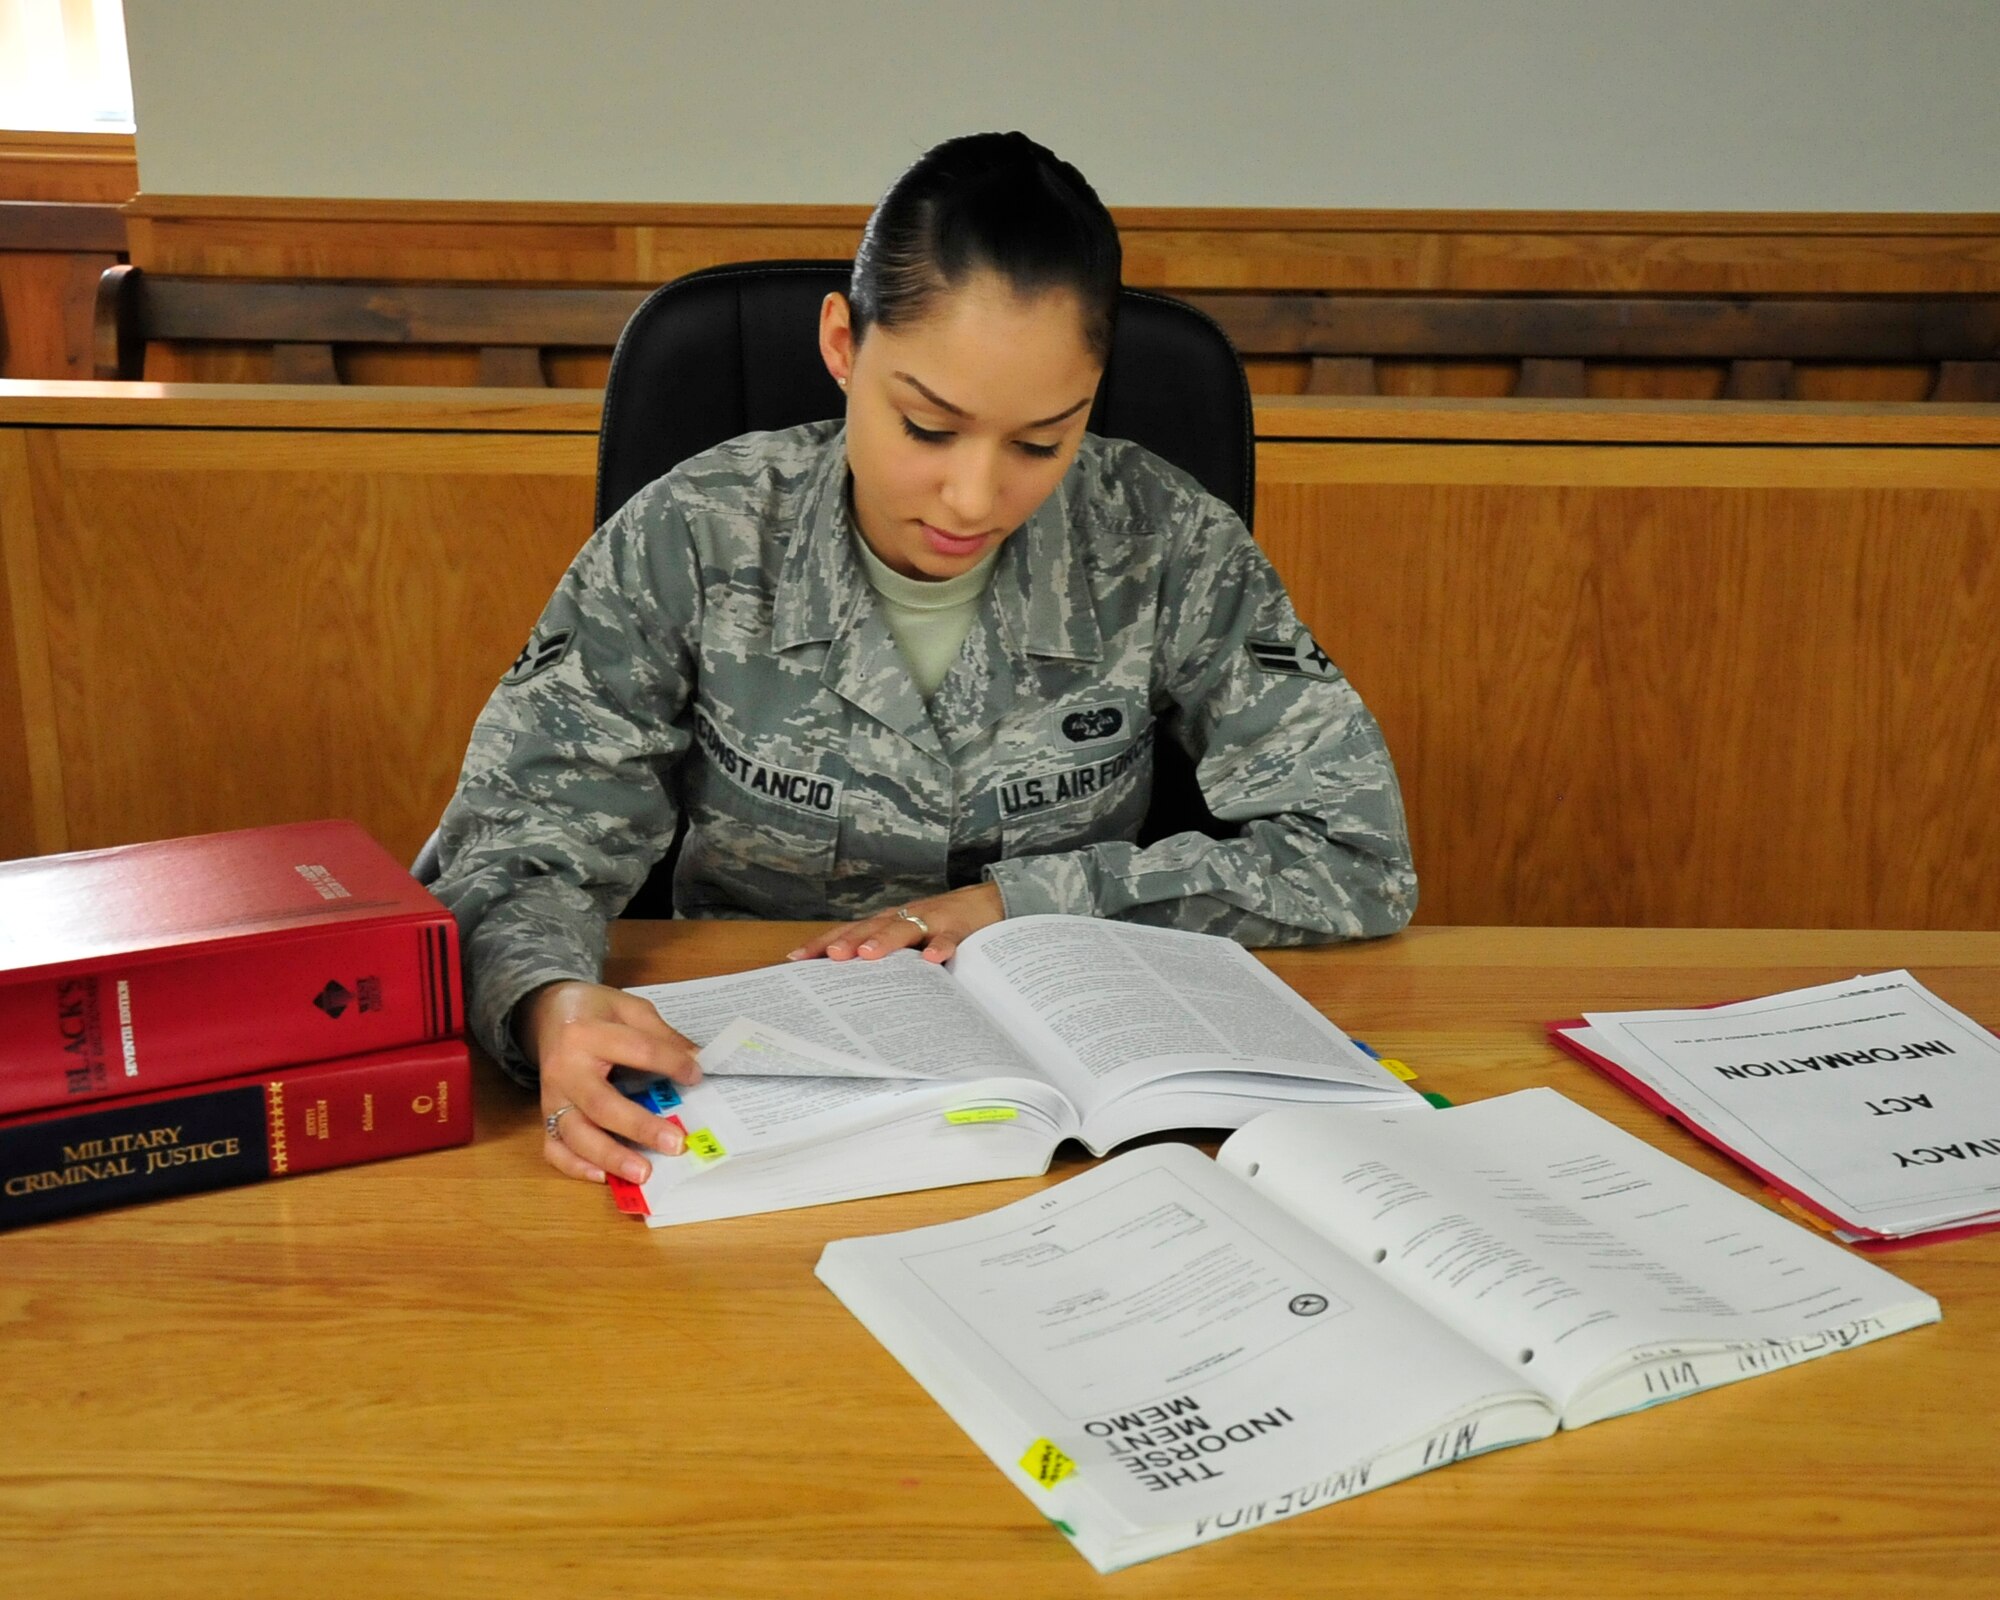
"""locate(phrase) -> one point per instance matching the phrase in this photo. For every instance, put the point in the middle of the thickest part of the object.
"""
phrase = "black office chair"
(735, 349)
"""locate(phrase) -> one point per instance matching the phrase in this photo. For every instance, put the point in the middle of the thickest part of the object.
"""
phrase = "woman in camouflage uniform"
(904, 671)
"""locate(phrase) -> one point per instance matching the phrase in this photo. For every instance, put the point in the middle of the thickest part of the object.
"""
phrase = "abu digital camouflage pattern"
(716, 650)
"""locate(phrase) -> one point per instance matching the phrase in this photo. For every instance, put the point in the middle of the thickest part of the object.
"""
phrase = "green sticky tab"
(1435, 1099)
(981, 1114)
(705, 1145)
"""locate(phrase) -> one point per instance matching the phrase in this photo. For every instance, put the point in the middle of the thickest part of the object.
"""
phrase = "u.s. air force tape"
(1299, 655)
(806, 791)
(1058, 786)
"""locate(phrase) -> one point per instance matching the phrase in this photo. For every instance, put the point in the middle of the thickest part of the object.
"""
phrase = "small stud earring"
(841, 381)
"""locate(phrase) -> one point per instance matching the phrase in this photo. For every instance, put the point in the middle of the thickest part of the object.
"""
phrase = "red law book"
(151, 965)
(236, 1130)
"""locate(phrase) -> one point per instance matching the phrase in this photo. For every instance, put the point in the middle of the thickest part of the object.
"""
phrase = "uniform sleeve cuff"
(503, 966)
(493, 1020)
(1057, 885)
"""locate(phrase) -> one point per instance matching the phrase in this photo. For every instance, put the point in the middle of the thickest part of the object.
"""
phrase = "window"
(63, 66)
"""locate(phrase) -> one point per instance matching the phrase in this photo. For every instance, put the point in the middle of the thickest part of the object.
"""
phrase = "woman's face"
(960, 425)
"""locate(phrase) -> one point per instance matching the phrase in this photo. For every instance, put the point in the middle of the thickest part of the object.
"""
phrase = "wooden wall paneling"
(1561, 252)
(31, 777)
(302, 363)
(1178, 249)
(1668, 686)
(51, 256)
(471, 242)
(222, 407)
(414, 366)
(58, 231)
(1186, 251)
(70, 167)
(1669, 664)
(208, 363)
(1286, 420)
(251, 627)
(1977, 381)
(45, 308)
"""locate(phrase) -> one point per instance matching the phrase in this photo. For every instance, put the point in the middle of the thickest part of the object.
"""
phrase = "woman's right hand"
(576, 1033)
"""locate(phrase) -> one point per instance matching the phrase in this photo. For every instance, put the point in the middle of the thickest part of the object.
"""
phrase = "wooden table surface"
(460, 1374)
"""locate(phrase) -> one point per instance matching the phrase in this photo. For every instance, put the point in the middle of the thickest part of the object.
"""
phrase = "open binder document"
(833, 1080)
(1869, 1102)
(1168, 1349)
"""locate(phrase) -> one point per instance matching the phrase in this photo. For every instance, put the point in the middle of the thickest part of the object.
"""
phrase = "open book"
(1168, 1349)
(872, 1077)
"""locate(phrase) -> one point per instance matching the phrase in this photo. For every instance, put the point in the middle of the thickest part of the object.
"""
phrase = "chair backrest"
(734, 349)
(750, 333)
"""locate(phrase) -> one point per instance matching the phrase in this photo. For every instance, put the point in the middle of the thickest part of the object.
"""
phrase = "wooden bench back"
(1343, 337)
(303, 321)
(1553, 338)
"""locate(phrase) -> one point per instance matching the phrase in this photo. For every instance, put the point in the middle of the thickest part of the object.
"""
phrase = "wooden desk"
(461, 1375)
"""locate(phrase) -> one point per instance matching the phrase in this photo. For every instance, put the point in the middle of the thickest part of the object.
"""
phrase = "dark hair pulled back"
(987, 202)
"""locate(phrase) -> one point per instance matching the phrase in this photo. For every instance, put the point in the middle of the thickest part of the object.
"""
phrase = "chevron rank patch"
(538, 655)
(1300, 656)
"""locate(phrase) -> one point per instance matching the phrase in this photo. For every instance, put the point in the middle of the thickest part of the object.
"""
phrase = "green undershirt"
(928, 617)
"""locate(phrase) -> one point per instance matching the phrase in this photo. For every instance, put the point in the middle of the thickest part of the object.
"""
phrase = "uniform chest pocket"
(767, 827)
(1067, 803)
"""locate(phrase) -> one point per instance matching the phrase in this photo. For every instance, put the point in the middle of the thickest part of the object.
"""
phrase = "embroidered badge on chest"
(785, 786)
(1300, 656)
(1089, 724)
(540, 653)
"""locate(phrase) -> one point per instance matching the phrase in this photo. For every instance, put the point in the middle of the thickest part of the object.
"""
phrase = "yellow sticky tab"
(1047, 1465)
(704, 1144)
(1402, 1069)
(982, 1114)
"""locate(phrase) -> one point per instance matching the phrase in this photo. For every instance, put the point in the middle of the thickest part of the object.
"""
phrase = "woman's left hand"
(948, 917)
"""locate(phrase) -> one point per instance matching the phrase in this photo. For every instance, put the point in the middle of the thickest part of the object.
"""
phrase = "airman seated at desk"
(905, 670)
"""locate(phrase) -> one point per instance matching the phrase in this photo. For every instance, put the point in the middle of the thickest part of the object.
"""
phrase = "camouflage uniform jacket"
(715, 650)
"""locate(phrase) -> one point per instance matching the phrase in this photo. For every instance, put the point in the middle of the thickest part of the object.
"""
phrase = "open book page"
(1153, 1346)
(757, 1050)
(901, 1017)
(901, 1010)
(764, 1091)
(750, 1152)
(1871, 1095)
(1110, 1008)
(1609, 1273)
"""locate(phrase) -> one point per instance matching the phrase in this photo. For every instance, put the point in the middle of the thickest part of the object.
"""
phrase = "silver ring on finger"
(910, 916)
(552, 1123)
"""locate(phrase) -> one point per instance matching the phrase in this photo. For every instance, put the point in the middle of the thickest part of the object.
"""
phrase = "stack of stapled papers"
(1870, 1103)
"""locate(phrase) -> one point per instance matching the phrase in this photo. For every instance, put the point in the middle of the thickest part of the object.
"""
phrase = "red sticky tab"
(628, 1196)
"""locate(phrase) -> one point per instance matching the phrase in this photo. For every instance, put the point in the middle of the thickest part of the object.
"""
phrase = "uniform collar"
(1038, 604)
(820, 583)
(1040, 590)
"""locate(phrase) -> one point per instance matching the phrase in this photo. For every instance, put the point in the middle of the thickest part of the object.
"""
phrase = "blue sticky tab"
(1366, 1048)
(658, 1096)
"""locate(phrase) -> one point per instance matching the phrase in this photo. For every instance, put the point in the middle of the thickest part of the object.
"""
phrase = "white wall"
(1808, 105)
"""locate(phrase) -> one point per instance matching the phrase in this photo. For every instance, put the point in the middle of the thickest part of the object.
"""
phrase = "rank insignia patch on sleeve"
(1300, 656)
(538, 655)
